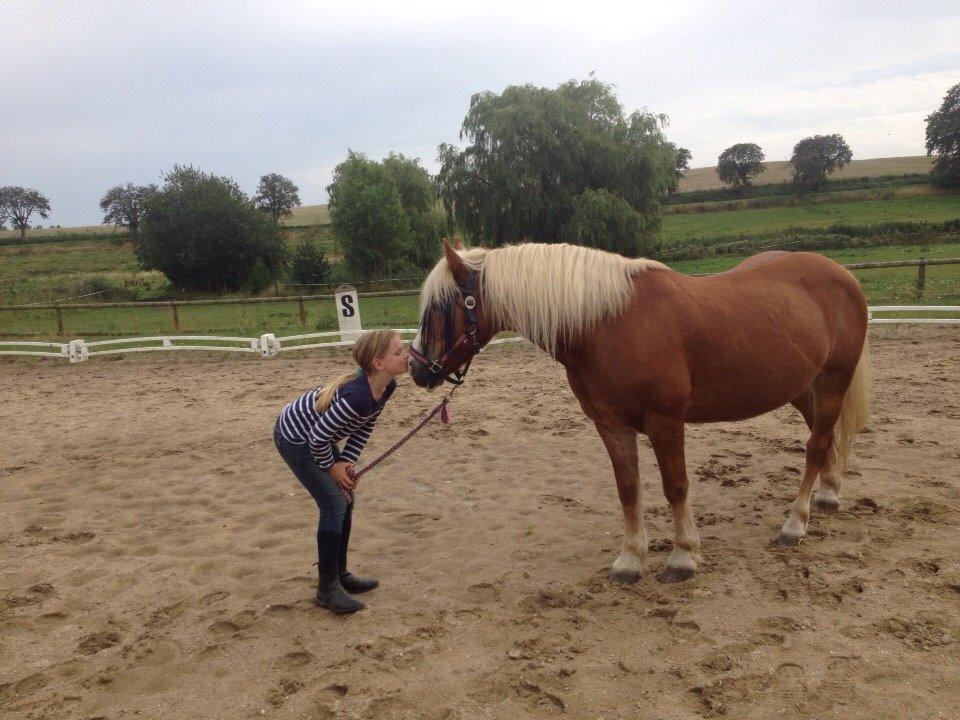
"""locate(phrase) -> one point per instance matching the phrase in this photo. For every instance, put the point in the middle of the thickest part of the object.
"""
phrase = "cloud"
(98, 93)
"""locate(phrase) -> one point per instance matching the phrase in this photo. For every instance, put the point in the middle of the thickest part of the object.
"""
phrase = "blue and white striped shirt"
(352, 415)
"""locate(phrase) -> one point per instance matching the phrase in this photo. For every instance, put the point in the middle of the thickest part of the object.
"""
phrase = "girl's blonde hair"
(371, 345)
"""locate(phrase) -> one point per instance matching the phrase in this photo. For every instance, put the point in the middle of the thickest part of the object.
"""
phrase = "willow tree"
(533, 153)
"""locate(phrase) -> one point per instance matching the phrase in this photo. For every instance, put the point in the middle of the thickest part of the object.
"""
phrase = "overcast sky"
(100, 93)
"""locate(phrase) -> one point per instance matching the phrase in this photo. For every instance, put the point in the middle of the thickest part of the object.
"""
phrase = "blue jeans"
(330, 497)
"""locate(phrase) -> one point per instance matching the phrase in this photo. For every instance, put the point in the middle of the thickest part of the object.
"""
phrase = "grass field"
(75, 266)
(778, 171)
(52, 232)
(685, 227)
(884, 286)
(307, 215)
(36, 273)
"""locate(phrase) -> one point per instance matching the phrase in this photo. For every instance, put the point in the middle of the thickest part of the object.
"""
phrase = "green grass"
(45, 272)
(250, 320)
(889, 286)
(686, 227)
(882, 286)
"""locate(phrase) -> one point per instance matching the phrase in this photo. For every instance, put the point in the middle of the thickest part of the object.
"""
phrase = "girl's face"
(396, 361)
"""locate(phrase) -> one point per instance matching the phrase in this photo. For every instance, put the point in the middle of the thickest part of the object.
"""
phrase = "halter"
(469, 335)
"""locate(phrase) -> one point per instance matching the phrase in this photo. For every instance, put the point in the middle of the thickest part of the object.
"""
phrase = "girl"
(307, 433)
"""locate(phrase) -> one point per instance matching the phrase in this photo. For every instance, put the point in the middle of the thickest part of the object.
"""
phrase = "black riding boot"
(330, 593)
(351, 583)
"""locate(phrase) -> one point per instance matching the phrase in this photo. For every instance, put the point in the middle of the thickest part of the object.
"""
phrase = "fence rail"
(268, 345)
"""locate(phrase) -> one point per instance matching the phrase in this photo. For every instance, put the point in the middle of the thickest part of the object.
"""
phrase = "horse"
(647, 350)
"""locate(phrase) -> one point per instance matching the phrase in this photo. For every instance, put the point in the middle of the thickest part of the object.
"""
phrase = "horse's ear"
(460, 271)
(457, 243)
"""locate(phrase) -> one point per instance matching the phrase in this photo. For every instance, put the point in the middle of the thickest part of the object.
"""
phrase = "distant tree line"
(567, 164)
(813, 159)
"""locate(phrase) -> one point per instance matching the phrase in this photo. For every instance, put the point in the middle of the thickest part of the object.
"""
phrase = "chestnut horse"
(647, 349)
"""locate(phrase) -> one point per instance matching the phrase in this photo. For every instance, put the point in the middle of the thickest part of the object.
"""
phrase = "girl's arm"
(356, 442)
(329, 426)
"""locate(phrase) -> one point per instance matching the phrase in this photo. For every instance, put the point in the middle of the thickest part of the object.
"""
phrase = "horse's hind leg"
(828, 492)
(622, 447)
(666, 436)
(829, 392)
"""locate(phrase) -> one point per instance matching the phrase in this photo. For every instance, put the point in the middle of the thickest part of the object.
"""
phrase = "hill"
(779, 171)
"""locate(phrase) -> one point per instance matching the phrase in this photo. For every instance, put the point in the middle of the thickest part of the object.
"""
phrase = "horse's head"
(453, 324)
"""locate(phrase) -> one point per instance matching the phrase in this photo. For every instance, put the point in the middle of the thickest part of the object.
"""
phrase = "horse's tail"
(856, 405)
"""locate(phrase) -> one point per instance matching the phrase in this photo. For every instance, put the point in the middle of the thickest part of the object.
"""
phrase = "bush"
(203, 233)
(259, 278)
(308, 265)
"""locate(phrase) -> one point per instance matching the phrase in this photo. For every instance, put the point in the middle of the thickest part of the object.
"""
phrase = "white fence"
(925, 309)
(269, 345)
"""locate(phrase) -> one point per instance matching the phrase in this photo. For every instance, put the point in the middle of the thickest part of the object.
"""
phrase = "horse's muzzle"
(422, 376)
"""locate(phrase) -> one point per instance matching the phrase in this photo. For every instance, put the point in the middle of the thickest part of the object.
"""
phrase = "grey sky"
(99, 93)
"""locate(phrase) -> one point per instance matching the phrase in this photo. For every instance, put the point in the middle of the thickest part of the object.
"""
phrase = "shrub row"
(786, 188)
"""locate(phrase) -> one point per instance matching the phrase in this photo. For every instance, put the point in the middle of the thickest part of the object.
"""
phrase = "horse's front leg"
(622, 447)
(666, 436)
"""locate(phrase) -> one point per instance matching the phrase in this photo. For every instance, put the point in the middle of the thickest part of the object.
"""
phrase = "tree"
(309, 264)
(276, 195)
(204, 233)
(943, 138)
(680, 167)
(532, 151)
(418, 197)
(385, 214)
(815, 157)
(17, 204)
(738, 164)
(367, 216)
(123, 205)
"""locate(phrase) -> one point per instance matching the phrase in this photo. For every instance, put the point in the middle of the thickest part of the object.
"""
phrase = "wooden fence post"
(59, 321)
(176, 317)
(921, 277)
(303, 313)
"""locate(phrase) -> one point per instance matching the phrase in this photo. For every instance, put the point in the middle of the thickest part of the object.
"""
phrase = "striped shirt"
(352, 415)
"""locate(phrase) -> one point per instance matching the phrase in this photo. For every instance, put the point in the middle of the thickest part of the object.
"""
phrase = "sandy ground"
(156, 555)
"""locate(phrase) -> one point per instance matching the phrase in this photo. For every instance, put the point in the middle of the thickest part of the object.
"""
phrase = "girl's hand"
(340, 473)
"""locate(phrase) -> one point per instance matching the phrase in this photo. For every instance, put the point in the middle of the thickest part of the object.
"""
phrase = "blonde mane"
(547, 293)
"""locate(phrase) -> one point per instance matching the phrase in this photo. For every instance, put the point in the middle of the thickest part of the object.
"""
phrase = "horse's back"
(756, 336)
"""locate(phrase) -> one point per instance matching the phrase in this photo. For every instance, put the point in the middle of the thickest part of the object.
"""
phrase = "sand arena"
(155, 554)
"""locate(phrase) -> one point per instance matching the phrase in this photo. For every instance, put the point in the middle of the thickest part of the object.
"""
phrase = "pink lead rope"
(445, 418)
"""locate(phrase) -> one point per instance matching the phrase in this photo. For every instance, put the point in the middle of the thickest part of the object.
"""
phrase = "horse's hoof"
(789, 540)
(627, 577)
(826, 504)
(674, 575)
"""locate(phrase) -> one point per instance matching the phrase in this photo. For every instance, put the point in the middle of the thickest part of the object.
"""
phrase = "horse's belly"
(745, 397)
